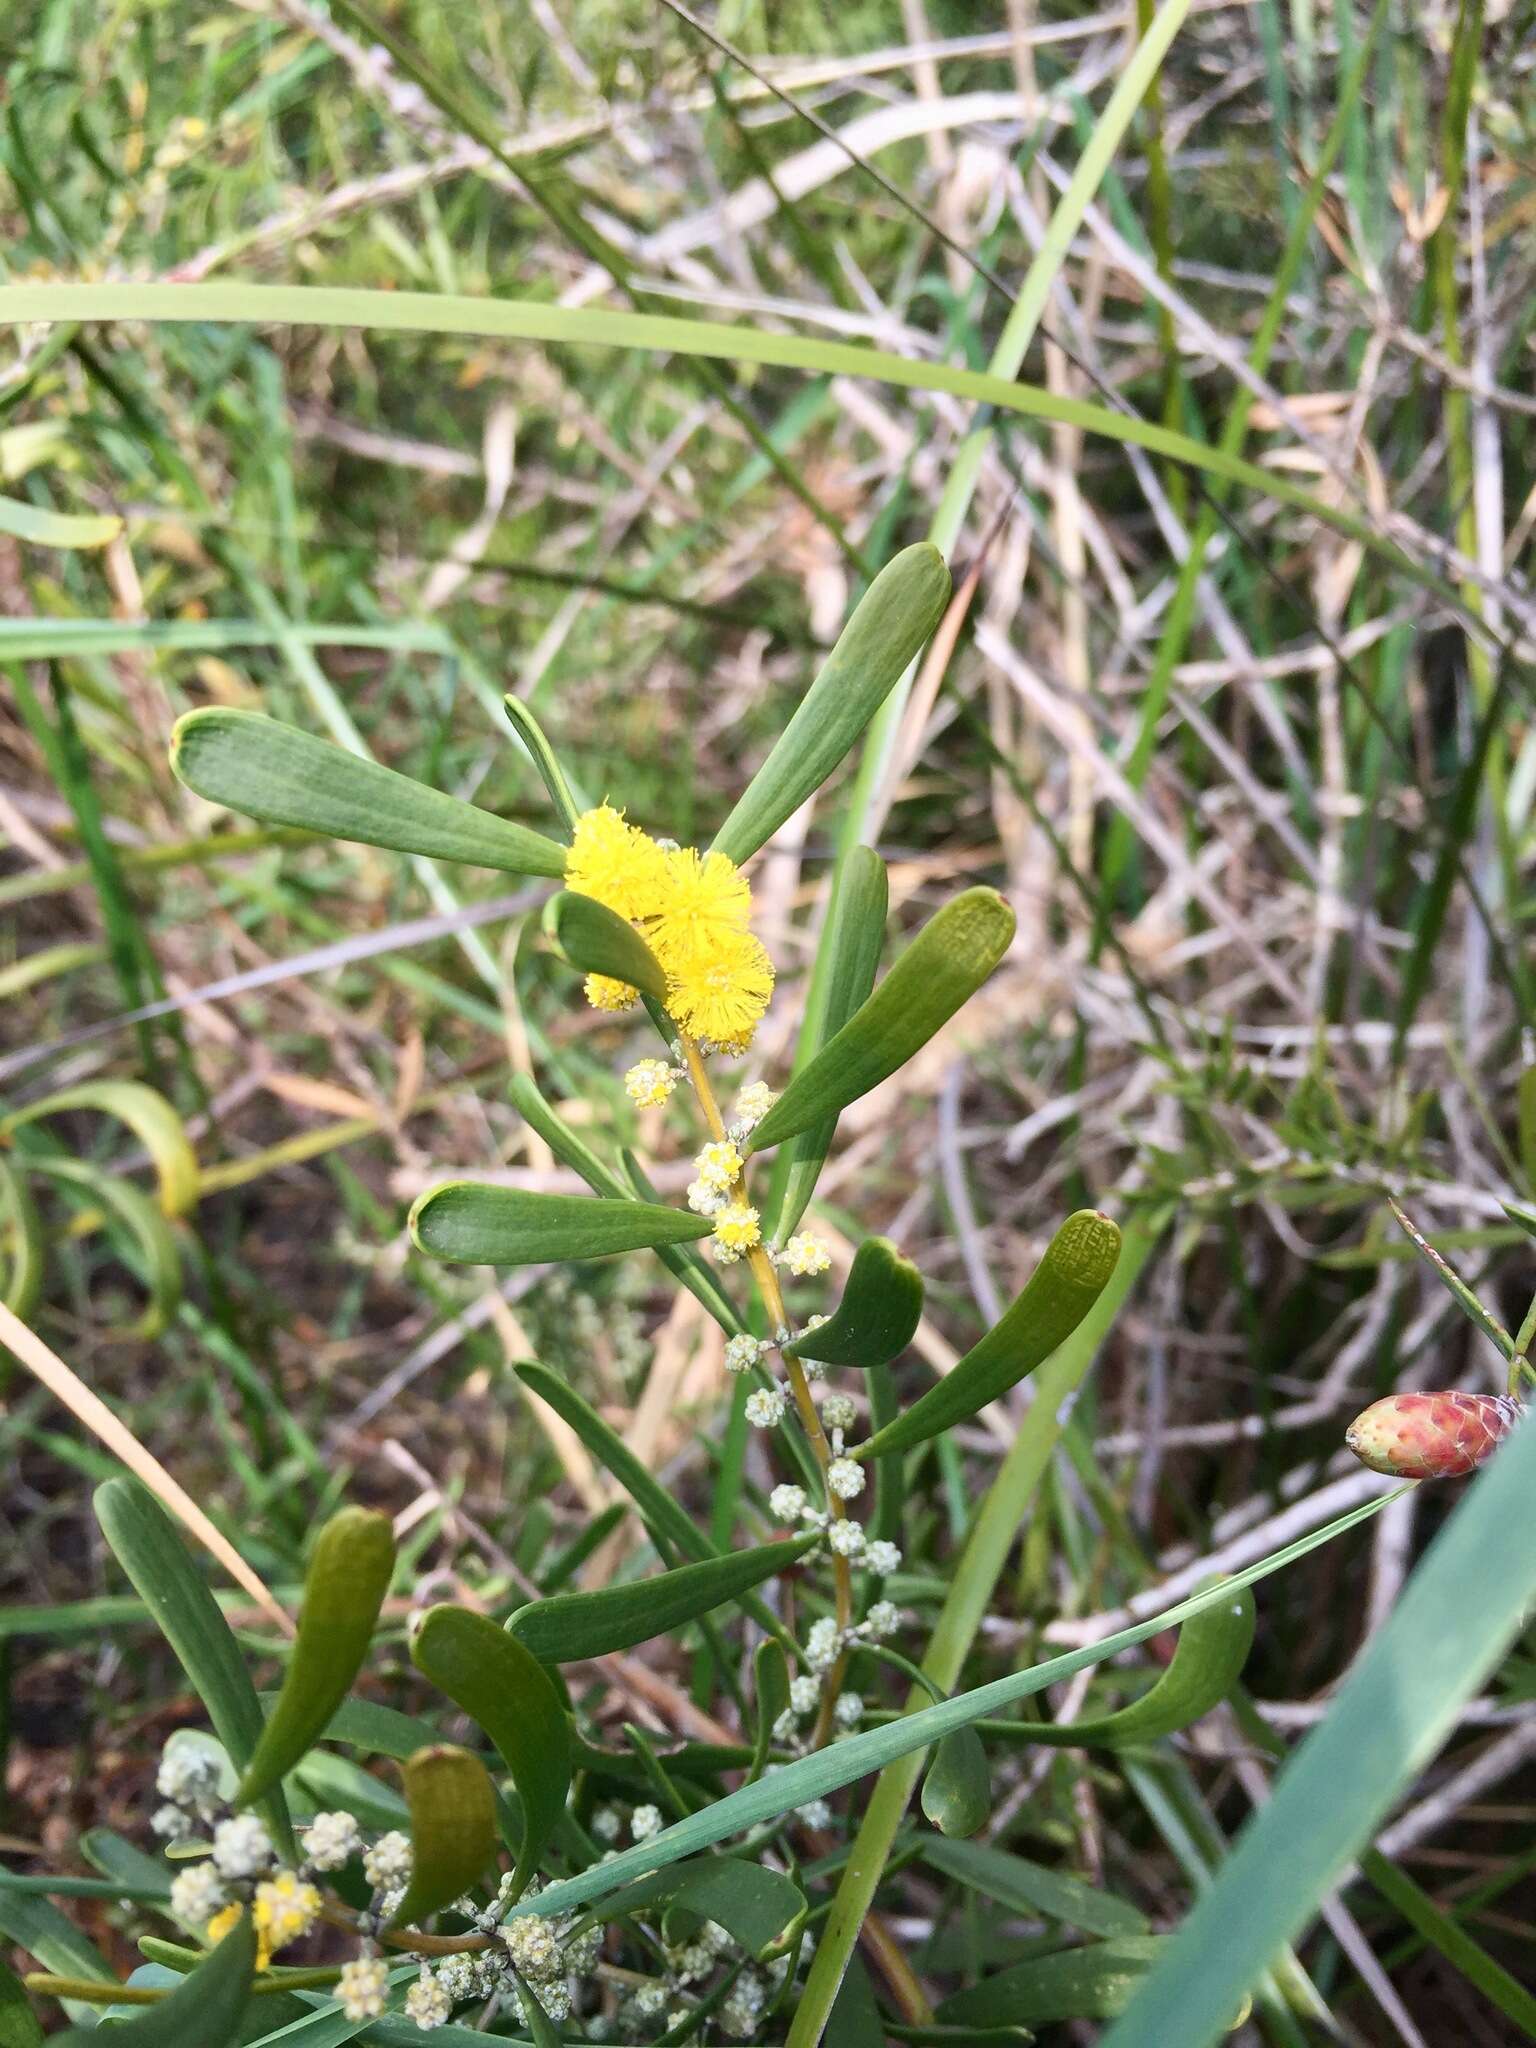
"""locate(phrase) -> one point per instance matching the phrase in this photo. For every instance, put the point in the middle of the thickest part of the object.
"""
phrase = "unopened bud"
(1432, 1436)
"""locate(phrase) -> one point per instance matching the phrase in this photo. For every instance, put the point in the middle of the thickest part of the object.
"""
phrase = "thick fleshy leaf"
(148, 1115)
(880, 1309)
(1208, 1660)
(146, 1545)
(1030, 1889)
(129, 1206)
(663, 1514)
(21, 1244)
(847, 960)
(453, 1828)
(957, 1791)
(542, 754)
(1069, 1279)
(344, 1588)
(942, 968)
(597, 940)
(204, 2011)
(576, 1625)
(504, 1689)
(275, 772)
(471, 1224)
(1092, 1983)
(761, 1908)
(682, 1261)
(890, 623)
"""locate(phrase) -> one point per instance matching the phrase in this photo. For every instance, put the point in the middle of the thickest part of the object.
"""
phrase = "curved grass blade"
(472, 1224)
(453, 1828)
(1082, 1984)
(151, 1119)
(846, 963)
(761, 1908)
(1463, 1606)
(275, 772)
(1076, 1268)
(143, 1222)
(881, 1308)
(459, 315)
(506, 1691)
(204, 2011)
(942, 968)
(146, 1545)
(21, 1243)
(344, 1588)
(1208, 1660)
(596, 940)
(45, 529)
(542, 754)
(572, 1626)
(1030, 1889)
(957, 1791)
(889, 626)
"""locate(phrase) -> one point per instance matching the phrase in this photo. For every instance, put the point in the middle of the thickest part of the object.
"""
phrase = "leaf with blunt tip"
(504, 1689)
(957, 1792)
(471, 1224)
(942, 968)
(453, 1828)
(880, 1309)
(146, 1545)
(1208, 1660)
(204, 2011)
(890, 623)
(847, 960)
(572, 1150)
(1030, 1889)
(596, 940)
(758, 1906)
(1067, 1282)
(275, 772)
(152, 1121)
(1093, 1983)
(344, 1587)
(576, 1625)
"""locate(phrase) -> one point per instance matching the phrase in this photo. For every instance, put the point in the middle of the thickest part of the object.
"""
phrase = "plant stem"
(800, 1387)
(986, 1552)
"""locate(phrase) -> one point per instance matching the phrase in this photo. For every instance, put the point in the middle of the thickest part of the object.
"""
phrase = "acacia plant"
(548, 1882)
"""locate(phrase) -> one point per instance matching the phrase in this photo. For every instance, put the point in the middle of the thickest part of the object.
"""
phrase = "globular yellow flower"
(736, 1231)
(604, 993)
(220, 1925)
(720, 995)
(615, 862)
(718, 1164)
(806, 1253)
(701, 900)
(285, 1908)
(649, 1083)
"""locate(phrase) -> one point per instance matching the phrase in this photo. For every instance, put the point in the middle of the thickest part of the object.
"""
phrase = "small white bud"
(765, 1408)
(815, 1813)
(882, 1558)
(806, 1254)
(848, 1710)
(388, 1862)
(742, 1353)
(845, 1538)
(645, 1823)
(839, 1411)
(196, 1895)
(606, 1823)
(883, 1619)
(787, 1503)
(845, 1478)
(171, 1824)
(821, 1645)
(241, 1847)
(331, 1840)
(804, 1693)
(427, 2003)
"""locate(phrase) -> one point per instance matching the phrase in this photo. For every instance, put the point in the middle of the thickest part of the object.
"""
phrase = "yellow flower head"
(649, 1083)
(721, 995)
(718, 1164)
(702, 901)
(736, 1231)
(614, 862)
(220, 1925)
(285, 1909)
(604, 993)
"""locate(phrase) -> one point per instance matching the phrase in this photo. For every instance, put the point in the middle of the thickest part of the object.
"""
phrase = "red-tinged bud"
(1432, 1436)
